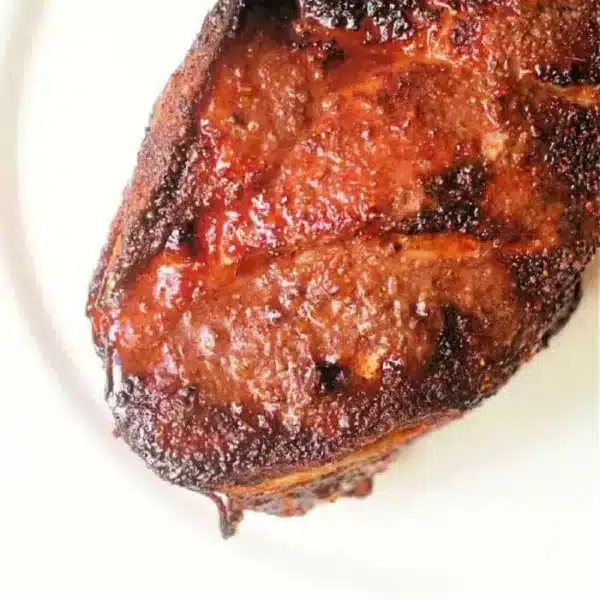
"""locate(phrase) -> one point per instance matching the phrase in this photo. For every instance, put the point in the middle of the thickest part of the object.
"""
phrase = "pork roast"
(350, 222)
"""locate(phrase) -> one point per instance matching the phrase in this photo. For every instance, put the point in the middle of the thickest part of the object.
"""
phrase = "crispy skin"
(350, 222)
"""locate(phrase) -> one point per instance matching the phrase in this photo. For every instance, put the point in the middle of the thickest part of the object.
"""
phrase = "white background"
(503, 504)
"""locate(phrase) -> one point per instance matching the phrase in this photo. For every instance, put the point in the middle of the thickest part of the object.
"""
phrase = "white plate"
(500, 504)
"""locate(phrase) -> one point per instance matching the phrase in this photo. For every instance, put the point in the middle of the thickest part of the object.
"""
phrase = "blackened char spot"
(582, 69)
(346, 14)
(541, 280)
(148, 233)
(457, 194)
(587, 73)
(566, 143)
(332, 377)
(183, 235)
(451, 343)
(329, 52)
(571, 300)
(542, 276)
(569, 142)
(334, 53)
(283, 10)
(548, 285)
(391, 19)
(460, 185)
(450, 377)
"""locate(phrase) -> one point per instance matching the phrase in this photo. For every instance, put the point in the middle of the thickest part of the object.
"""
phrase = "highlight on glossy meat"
(350, 222)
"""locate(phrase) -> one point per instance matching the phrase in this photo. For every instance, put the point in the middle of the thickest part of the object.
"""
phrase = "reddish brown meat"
(351, 220)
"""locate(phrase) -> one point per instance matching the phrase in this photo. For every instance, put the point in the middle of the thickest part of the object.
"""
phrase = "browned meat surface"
(351, 221)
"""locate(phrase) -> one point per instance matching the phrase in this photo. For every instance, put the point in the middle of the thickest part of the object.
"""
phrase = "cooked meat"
(350, 222)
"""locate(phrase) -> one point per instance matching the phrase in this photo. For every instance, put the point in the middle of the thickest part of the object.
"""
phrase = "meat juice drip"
(229, 516)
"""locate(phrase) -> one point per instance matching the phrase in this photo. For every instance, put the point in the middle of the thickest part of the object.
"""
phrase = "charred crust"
(332, 377)
(152, 228)
(339, 14)
(458, 186)
(392, 18)
(584, 67)
(166, 152)
(454, 373)
(587, 73)
(352, 483)
(542, 276)
(569, 302)
(568, 141)
(548, 286)
(386, 21)
(541, 280)
(457, 195)
(282, 10)
(237, 447)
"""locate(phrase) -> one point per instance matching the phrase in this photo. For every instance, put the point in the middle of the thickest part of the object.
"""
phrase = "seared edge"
(152, 200)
